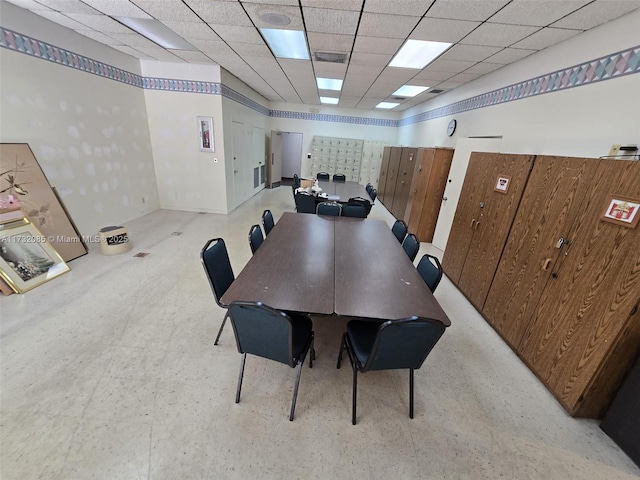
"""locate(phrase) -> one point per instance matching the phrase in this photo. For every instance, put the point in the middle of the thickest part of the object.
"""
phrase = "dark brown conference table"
(343, 191)
(335, 265)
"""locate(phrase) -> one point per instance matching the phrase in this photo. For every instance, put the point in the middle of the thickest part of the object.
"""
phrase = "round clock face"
(452, 127)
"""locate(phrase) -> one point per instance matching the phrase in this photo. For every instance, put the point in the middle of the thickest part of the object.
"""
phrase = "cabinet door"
(392, 176)
(421, 174)
(403, 181)
(491, 228)
(434, 193)
(554, 193)
(384, 168)
(584, 315)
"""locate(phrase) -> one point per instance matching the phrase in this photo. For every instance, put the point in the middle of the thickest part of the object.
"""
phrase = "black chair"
(215, 260)
(305, 202)
(329, 208)
(373, 194)
(368, 188)
(267, 221)
(265, 332)
(356, 211)
(400, 230)
(411, 245)
(296, 181)
(430, 270)
(339, 177)
(387, 345)
(255, 237)
(322, 176)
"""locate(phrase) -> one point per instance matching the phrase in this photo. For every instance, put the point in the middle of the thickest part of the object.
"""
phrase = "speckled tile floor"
(110, 372)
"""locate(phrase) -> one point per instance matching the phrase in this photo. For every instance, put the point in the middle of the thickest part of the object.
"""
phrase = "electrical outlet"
(615, 150)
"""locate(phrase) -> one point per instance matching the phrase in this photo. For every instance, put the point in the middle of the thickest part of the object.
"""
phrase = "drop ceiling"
(486, 35)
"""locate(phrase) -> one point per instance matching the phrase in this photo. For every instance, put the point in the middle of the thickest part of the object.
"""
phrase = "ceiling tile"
(536, 12)
(250, 49)
(231, 33)
(117, 8)
(377, 44)
(29, 5)
(475, 53)
(100, 37)
(432, 77)
(100, 23)
(330, 70)
(498, 35)
(333, 4)
(195, 57)
(271, 2)
(394, 73)
(483, 68)
(597, 13)
(327, 42)
(134, 40)
(359, 58)
(159, 53)
(69, 6)
(453, 66)
(478, 10)
(442, 30)
(190, 30)
(331, 21)
(131, 51)
(509, 55)
(360, 72)
(348, 101)
(545, 38)
(448, 85)
(219, 12)
(60, 19)
(465, 77)
(212, 46)
(415, 8)
(386, 26)
(168, 10)
(255, 10)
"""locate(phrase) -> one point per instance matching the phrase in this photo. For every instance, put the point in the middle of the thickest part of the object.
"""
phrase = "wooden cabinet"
(564, 288)
(384, 169)
(392, 175)
(483, 220)
(427, 188)
(403, 181)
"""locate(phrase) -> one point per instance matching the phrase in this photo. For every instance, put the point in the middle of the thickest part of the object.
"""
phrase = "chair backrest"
(267, 221)
(373, 194)
(263, 331)
(403, 343)
(357, 211)
(339, 177)
(255, 237)
(296, 180)
(322, 176)
(430, 270)
(305, 202)
(400, 229)
(411, 245)
(368, 188)
(329, 208)
(360, 201)
(215, 260)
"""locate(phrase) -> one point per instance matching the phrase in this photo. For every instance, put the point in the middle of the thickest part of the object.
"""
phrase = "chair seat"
(302, 329)
(362, 334)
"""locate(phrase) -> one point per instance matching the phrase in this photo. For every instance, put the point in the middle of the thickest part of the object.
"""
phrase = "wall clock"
(451, 128)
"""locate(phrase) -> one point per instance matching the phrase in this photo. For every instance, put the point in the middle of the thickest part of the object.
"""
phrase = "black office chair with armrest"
(339, 177)
(400, 230)
(305, 202)
(373, 194)
(430, 270)
(267, 221)
(255, 238)
(329, 208)
(265, 332)
(387, 345)
(296, 181)
(355, 211)
(215, 260)
(368, 188)
(323, 176)
(411, 245)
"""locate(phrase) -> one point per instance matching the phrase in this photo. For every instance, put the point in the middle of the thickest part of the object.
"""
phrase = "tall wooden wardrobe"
(564, 288)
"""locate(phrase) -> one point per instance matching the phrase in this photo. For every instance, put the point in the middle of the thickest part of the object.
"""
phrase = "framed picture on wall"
(622, 211)
(205, 131)
(502, 183)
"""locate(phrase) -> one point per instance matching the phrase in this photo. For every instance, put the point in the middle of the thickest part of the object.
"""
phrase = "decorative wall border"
(611, 66)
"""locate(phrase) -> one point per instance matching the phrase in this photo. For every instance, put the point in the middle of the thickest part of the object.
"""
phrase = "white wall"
(188, 179)
(89, 134)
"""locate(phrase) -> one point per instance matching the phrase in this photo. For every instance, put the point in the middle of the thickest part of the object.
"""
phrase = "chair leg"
(224, 320)
(295, 392)
(355, 393)
(244, 358)
(411, 393)
(312, 353)
(343, 346)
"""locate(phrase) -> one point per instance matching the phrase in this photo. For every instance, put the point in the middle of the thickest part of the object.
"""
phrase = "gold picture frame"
(622, 210)
(27, 259)
(502, 183)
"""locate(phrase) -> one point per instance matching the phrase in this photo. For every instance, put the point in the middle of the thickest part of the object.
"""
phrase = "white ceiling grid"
(486, 35)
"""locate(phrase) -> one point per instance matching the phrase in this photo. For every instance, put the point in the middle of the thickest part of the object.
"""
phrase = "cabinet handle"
(473, 220)
(477, 225)
(546, 264)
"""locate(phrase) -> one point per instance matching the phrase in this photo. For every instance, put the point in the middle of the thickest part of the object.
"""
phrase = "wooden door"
(492, 226)
(403, 182)
(421, 174)
(384, 168)
(584, 335)
(434, 194)
(392, 176)
(554, 193)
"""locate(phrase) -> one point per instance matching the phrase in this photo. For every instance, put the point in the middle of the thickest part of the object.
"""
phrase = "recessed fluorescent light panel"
(329, 84)
(286, 43)
(410, 91)
(157, 33)
(329, 100)
(387, 105)
(418, 54)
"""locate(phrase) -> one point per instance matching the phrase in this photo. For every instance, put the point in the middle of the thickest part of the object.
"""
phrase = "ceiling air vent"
(436, 90)
(330, 57)
(400, 99)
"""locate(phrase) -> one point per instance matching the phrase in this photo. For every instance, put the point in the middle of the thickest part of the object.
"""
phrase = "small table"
(343, 191)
